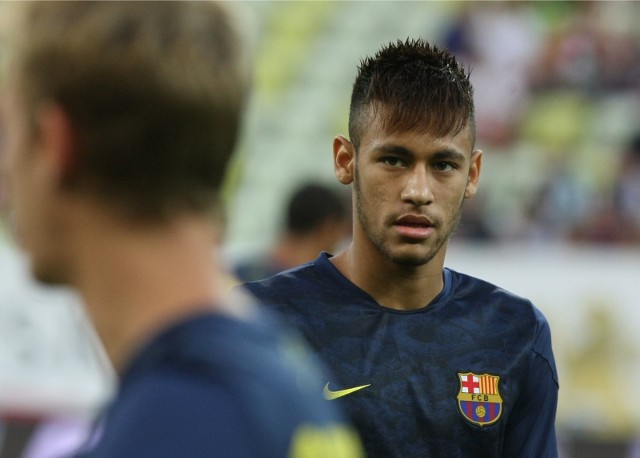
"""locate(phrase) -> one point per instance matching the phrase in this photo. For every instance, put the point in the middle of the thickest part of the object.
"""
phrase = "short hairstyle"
(154, 92)
(415, 86)
(311, 205)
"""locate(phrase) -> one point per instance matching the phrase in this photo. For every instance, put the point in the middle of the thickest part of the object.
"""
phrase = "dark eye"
(444, 166)
(393, 161)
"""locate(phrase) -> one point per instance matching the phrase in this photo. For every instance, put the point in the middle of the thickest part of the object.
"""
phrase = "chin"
(411, 259)
(413, 255)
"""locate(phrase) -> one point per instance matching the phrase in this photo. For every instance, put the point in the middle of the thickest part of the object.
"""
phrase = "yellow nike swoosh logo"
(330, 395)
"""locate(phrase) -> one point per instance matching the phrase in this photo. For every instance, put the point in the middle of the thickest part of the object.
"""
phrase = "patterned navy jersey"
(470, 375)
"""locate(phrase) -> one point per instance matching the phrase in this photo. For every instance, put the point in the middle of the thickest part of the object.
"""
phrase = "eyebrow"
(444, 154)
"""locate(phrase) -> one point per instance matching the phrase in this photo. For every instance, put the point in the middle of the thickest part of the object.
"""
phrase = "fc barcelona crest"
(479, 398)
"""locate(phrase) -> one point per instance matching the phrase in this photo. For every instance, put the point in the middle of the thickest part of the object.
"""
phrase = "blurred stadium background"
(557, 217)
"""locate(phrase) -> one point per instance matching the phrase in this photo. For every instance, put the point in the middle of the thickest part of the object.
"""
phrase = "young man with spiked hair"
(426, 360)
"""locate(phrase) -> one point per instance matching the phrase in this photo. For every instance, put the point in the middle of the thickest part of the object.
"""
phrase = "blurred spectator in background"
(317, 219)
(557, 87)
(589, 50)
(559, 203)
(615, 218)
(499, 42)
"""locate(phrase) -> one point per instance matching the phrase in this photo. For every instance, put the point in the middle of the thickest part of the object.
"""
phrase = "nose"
(417, 189)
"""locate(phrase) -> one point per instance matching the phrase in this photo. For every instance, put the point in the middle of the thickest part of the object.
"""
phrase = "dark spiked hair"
(416, 86)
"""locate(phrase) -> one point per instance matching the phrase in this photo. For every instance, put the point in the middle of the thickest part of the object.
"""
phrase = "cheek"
(14, 166)
(450, 198)
(380, 187)
(17, 183)
(451, 190)
(22, 213)
(36, 231)
(370, 195)
(27, 202)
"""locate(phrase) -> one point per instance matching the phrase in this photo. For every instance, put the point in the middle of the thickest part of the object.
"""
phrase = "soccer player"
(426, 360)
(121, 117)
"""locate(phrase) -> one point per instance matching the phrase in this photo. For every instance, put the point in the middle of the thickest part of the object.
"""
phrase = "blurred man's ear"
(55, 138)
(344, 156)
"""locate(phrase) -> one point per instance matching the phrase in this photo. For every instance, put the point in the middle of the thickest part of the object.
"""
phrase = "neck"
(392, 285)
(136, 281)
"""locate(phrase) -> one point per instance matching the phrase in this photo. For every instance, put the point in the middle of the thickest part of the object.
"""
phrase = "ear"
(474, 174)
(56, 142)
(344, 159)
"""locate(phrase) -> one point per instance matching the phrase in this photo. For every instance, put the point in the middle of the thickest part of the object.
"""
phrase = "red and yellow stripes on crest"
(489, 384)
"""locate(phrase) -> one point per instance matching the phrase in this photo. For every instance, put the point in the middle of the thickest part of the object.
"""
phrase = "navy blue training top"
(470, 375)
(215, 386)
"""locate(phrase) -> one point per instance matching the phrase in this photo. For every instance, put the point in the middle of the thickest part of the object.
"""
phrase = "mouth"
(414, 227)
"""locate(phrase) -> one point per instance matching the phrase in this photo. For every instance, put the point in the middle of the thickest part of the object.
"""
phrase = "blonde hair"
(154, 92)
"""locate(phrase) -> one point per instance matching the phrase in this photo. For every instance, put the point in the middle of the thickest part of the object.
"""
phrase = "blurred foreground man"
(429, 362)
(120, 119)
